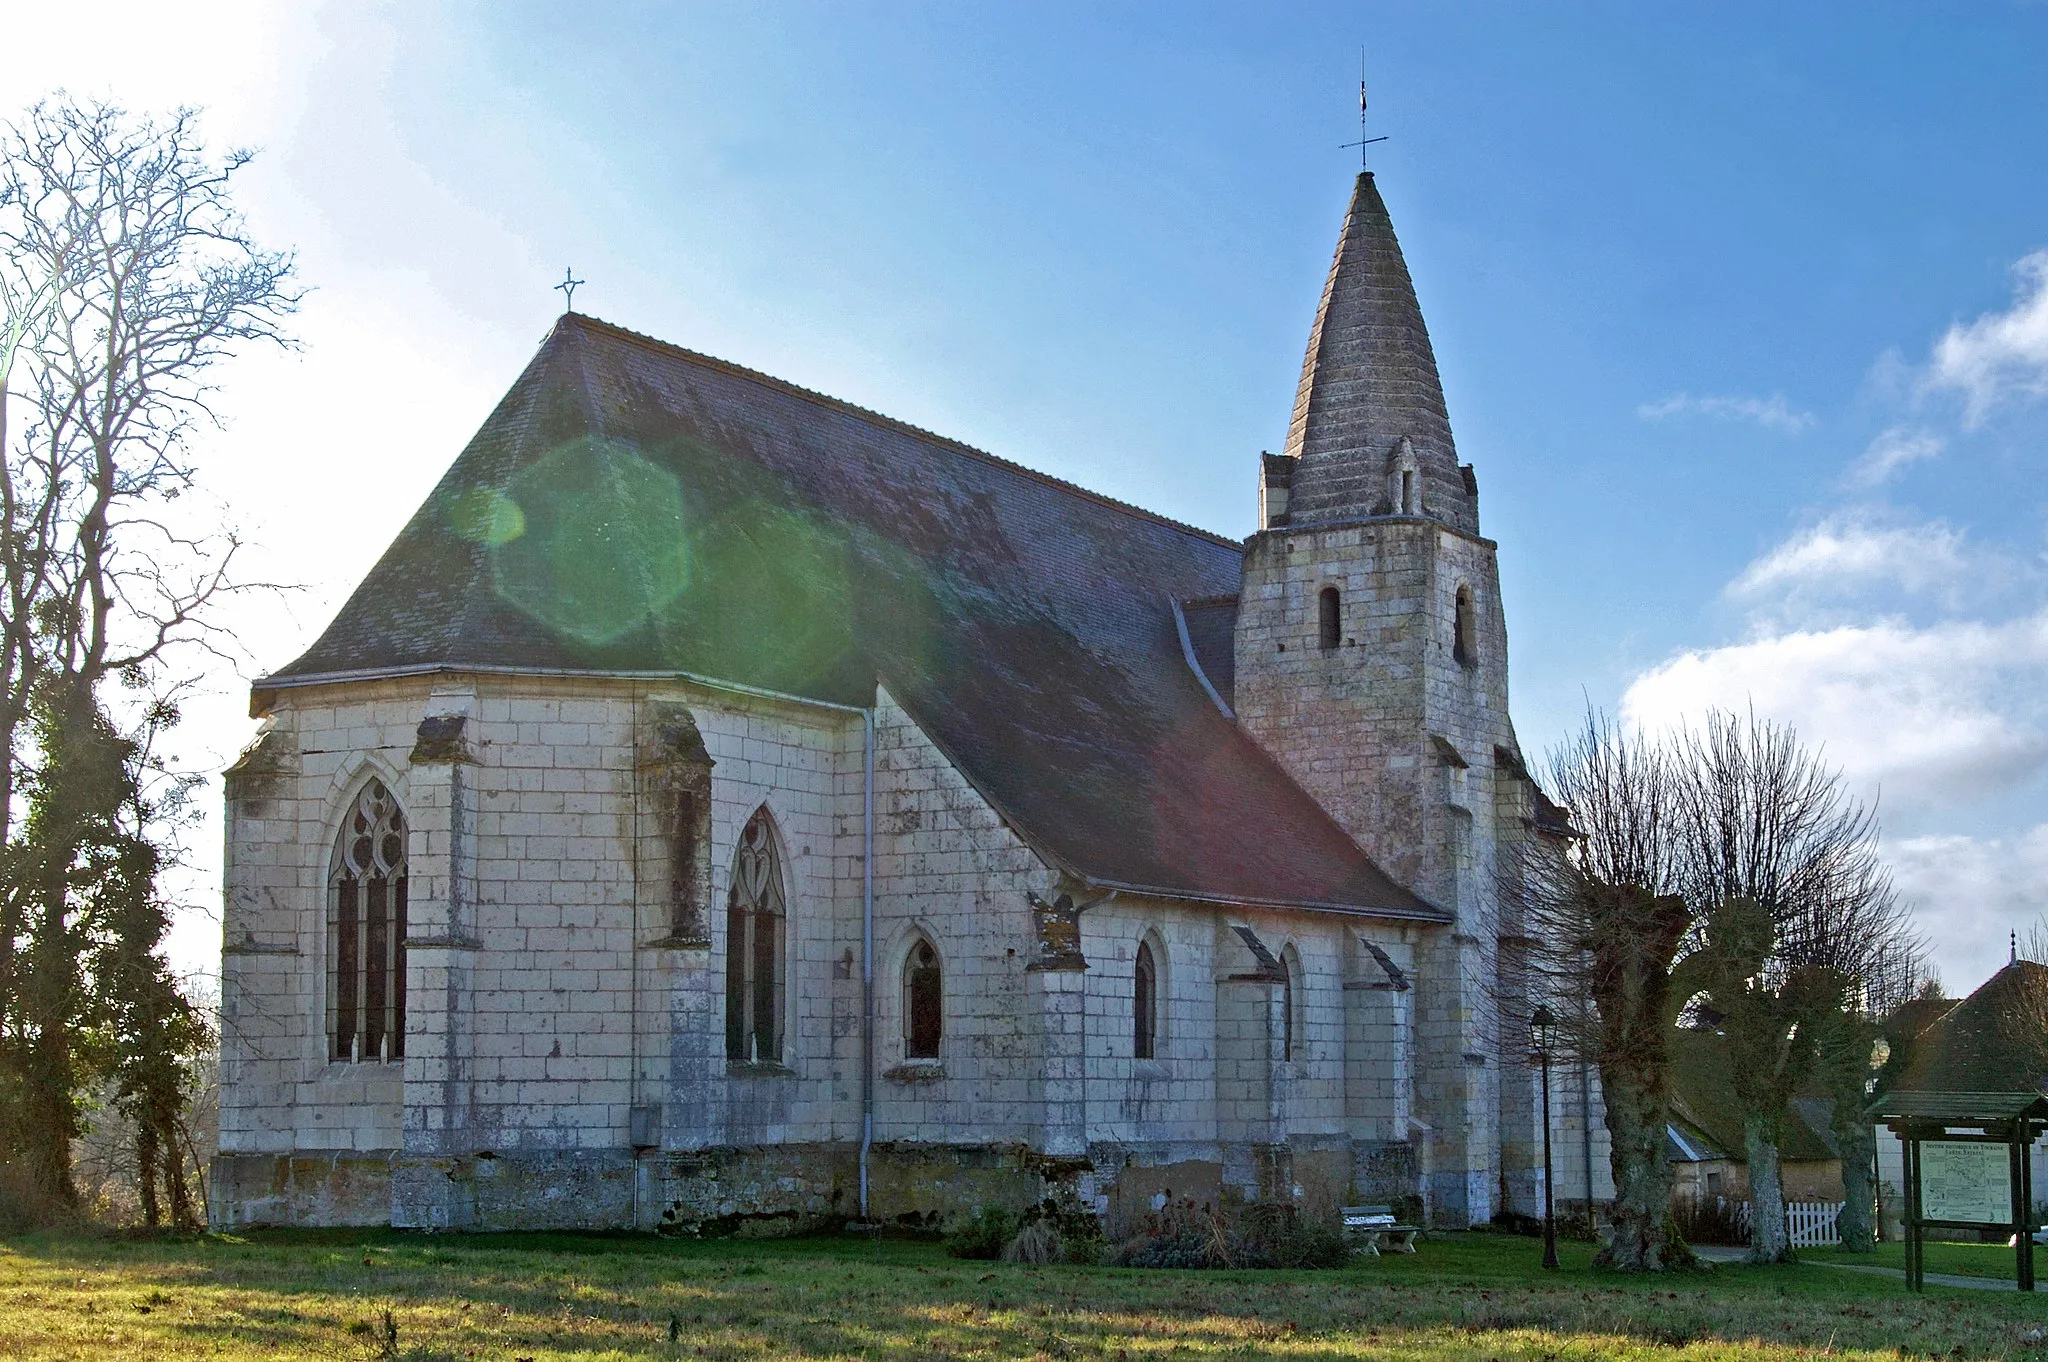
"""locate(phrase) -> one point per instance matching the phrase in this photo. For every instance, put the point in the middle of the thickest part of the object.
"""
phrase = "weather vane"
(567, 288)
(1363, 141)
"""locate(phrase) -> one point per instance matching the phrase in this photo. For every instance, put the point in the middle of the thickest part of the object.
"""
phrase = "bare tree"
(128, 275)
(1604, 925)
(1850, 1052)
(1797, 915)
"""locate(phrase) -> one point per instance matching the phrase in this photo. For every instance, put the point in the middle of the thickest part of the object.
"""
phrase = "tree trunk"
(174, 1173)
(1645, 1238)
(1767, 1240)
(1857, 1141)
(145, 1170)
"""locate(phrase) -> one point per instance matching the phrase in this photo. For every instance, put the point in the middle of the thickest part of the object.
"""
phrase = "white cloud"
(1772, 413)
(2001, 355)
(1892, 451)
(1971, 893)
(1846, 553)
(1954, 711)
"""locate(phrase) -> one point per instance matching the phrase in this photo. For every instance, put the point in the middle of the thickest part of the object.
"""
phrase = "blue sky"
(1738, 306)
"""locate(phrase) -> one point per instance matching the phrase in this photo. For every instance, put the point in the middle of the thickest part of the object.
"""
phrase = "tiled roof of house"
(1995, 1040)
(633, 507)
(1703, 1095)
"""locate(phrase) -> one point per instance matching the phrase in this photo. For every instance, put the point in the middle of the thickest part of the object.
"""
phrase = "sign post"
(1967, 1168)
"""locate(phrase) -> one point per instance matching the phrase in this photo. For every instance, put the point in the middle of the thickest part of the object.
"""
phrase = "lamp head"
(1542, 1028)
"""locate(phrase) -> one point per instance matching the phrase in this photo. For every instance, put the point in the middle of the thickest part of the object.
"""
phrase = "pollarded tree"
(1849, 1055)
(1797, 913)
(1604, 922)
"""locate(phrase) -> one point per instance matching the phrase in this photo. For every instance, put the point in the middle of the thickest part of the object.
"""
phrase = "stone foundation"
(766, 1189)
(311, 1187)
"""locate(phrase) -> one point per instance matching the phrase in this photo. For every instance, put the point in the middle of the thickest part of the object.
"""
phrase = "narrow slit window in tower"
(1331, 617)
(1462, 648)
(1408, 503)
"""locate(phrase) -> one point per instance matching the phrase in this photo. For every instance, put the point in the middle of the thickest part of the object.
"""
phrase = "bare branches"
(127, 276)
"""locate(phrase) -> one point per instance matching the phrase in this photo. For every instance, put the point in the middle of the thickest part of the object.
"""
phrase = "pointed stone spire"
(1370, 435)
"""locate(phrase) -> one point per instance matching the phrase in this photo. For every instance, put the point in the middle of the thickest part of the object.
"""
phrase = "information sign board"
(1966, 1181)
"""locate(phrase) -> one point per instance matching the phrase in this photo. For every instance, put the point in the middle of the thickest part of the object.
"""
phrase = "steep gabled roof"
(1368, 381)
(632, 507)
(1995, 1040)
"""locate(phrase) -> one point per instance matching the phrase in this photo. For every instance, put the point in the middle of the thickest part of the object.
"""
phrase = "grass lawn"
(1472, 1298)
(1960, 1260)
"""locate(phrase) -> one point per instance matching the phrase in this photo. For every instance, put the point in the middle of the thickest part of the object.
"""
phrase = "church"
(726, 808)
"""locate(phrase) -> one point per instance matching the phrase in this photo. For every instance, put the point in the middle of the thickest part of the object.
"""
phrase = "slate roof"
(633, 507)
(1369, 379)
(1212, 632)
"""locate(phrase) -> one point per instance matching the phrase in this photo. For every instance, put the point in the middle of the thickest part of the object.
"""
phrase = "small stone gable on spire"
(1369, 435)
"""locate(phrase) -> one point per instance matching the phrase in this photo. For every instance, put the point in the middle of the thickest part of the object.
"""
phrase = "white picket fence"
(1811, 1224)
(1808, 1224)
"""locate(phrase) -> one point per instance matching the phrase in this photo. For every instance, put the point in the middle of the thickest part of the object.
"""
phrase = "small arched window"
(1410, 503)
(924, 1003)
(1290, 965)
(1330, 617)
(366, 892)
(1144, 1005)
(1463, 648)
(755, 914)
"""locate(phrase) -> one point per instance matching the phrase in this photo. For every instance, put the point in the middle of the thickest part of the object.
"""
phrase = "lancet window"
(366, 893)
(1290, 966)
(1463, 649)
(755, 922)
(924, 1002)
(1144, 1004)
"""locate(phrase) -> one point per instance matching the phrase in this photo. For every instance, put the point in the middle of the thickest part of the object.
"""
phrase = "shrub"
(985, 1234)
(1076, 1228)
(1036, 1245)
(1709, 1220)
(1255, 1235)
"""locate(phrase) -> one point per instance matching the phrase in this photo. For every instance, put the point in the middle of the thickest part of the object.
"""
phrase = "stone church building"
(725, 804)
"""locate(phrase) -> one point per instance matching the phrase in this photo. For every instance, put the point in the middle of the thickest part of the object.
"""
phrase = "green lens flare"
(486, 516)
(598, 540)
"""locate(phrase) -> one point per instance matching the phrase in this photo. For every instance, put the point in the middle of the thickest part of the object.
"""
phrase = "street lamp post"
(1541, 1027)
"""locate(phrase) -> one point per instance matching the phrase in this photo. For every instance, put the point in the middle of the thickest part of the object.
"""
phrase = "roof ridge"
(869, 414)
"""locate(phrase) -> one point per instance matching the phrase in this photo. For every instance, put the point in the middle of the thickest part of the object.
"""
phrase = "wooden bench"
(1372, 1228)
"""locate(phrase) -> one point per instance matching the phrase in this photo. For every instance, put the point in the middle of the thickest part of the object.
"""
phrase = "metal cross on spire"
(567, 288)
(1363, 141)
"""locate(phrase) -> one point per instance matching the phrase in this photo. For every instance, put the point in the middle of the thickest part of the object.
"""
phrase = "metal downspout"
(867, 951)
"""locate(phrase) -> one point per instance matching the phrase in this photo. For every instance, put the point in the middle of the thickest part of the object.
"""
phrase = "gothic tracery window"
(924, 1003)
(755, 918)
(366, 892)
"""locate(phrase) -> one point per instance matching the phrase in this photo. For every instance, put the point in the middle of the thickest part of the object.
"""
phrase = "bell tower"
(1371, 662)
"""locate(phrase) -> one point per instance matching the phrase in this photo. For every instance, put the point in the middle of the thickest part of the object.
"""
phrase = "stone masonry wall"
(565, 1052)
